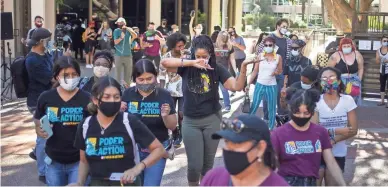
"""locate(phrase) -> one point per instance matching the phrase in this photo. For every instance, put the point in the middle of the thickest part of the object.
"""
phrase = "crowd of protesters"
(105, 132)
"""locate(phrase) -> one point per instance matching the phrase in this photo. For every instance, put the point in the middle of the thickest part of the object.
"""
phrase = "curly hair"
(107, 55)
(173, 39)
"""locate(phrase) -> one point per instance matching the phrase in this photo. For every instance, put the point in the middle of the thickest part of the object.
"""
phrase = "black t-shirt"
(112, 152)
(87, 87)
(294, 68)
(148, 109)
(65, 117)
(164, 30)
(202, 100)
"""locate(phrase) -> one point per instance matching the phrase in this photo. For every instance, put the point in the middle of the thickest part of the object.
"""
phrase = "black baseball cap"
(254, 129)
(37, 35)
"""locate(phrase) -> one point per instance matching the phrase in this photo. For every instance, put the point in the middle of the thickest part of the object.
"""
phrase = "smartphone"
(192, 13)
(117, 177)
(45, 125)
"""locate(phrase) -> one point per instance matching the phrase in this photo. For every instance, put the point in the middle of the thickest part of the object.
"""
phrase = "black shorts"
(340, 162)
(89, 45)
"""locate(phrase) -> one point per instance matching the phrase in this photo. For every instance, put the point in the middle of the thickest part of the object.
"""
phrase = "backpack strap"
(83, 82)
(85, 126)
(130, 132)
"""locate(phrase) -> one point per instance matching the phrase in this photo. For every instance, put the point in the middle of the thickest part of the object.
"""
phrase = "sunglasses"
(329, 78)
(234, 125)
(269, 45)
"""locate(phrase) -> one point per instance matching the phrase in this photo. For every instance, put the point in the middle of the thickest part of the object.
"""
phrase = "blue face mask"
(268, 49)
(385, 44)
(346, 50)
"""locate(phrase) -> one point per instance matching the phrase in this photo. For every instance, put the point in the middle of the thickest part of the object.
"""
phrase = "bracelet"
(182, 62)
(145, 166)
(335, 142)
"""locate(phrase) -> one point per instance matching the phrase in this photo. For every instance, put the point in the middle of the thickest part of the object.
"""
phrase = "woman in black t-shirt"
(107, 140)
(64, 106)
(201, 108)
(154, 106)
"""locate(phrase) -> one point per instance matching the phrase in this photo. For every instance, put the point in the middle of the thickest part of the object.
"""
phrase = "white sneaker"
(88, 66)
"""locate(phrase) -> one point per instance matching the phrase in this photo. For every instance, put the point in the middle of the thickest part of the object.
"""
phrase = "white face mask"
(283, 31)
(268, 49)
(198, 31)
(69, 84)
(305, 86)
(347, 50)
(295, 53)
(100, 71)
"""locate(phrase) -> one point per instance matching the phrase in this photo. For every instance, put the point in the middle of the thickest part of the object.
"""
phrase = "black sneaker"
(32, 155)
(42, 179)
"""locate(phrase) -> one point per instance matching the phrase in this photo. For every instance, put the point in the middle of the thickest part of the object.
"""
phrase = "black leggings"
(383, 82)
(178, 100)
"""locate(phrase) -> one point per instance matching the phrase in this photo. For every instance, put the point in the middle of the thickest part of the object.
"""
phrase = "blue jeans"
(152, 176)
(39, 150)
(61, 174)
(280, 82)
(225, 95)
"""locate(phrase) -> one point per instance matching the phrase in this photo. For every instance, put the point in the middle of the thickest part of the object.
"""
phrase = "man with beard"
(123, 37)
(38, 24)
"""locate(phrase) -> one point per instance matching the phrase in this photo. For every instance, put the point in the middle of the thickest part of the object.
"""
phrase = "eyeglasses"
(103, 65)
(329, 78)
(235, 125)
(269, 45)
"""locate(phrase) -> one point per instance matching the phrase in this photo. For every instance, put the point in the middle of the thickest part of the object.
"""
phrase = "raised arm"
(192, 33)
(172, 64)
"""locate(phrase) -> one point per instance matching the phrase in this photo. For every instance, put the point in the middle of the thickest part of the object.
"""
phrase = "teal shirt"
(124, 47)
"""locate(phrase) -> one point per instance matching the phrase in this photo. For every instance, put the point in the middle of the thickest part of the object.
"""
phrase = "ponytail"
(92, 108)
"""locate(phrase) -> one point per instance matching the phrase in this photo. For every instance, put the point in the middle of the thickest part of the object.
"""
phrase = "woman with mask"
(308, 79)
(336, 112)
(382, 60)
(105, 34)
(225, 57)
(65, 106)
(202, 116)
(107, 140)
(154, 107)
(268, 67)
(351, 65)
(300, 144)
(248, 155)
(194, 31)
(102, 65)
(295, 64)
(239, 47)
(89, 37)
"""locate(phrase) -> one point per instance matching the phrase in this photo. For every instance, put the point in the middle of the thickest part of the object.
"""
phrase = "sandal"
(381, 104)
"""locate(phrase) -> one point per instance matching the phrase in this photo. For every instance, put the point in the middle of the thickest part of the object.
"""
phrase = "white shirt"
(336, 118)
(382, 63)
(265, 72)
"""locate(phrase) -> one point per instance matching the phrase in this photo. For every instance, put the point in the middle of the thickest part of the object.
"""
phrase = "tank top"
(383, 65)
(265, 72)
(344, 68)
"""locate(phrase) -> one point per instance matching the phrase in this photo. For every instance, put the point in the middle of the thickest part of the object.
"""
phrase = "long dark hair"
(297, 97)
(143, 66)
(64, 62)
(341, 86)
(98, 91)
(204, 42)
(269, 157)
(261, 37)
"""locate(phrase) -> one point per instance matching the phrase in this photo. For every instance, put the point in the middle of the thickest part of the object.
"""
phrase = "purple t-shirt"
(220, 177)
(155, 49)
(300, 152)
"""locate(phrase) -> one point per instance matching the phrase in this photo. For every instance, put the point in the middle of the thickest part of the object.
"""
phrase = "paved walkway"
(366, 163)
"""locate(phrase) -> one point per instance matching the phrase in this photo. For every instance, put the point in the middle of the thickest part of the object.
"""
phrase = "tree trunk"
(340, 13)
(303, 10)
(353, 4)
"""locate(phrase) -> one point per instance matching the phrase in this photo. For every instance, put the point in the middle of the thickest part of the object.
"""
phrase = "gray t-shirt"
(238, 53)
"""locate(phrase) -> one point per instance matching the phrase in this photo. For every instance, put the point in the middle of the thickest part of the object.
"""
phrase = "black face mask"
(237, 162)
(300, 121)
(109, 109)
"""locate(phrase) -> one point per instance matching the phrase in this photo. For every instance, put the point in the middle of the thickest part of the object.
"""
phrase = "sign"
(365, 45)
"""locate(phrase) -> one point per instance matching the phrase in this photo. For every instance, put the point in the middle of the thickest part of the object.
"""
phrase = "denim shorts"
(301, 181)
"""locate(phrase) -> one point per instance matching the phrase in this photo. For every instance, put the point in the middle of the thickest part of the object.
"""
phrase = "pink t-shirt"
(220, 177)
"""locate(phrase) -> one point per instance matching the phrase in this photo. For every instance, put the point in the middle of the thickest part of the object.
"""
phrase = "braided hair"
(195, 75)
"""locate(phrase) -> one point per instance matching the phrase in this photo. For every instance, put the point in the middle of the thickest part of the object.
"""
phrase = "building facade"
(136, 12)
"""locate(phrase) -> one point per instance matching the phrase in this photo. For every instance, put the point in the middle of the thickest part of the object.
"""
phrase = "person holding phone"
(105, 33)
(107, 140)
(154, 106)
(269, 66)
(65, 106)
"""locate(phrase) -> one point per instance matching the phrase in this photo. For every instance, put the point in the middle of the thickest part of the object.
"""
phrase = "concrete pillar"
(238, 11)
(214, 14)
(46, 9)
(154, 12)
